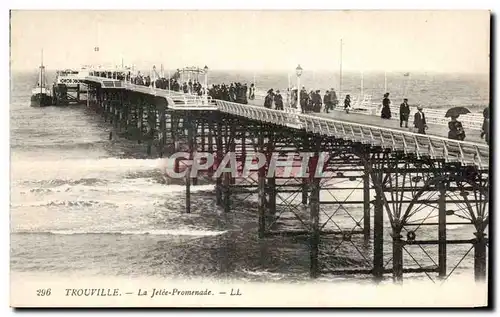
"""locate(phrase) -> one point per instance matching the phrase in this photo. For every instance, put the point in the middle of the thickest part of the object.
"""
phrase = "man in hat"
(304, 100)
(333, 98)
(278, 101)
(404, 113)
(327, 101)
(419, 121)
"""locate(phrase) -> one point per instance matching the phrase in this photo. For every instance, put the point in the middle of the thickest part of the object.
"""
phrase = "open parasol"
(456, 111)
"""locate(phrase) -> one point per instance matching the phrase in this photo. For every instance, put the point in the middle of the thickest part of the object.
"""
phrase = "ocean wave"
(58, 145)
(146, 186)
(162, 232)
(60, 182)
(79, 170)
(67, 203)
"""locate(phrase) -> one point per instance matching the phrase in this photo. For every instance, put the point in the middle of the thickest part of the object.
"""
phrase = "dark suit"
(278, 102)
(404, 114)
(419, 122)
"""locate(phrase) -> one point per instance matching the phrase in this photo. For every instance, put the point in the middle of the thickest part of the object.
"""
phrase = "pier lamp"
(298, 72)
(206, 83)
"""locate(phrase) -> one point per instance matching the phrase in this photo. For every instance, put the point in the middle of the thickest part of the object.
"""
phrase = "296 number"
(43, 292)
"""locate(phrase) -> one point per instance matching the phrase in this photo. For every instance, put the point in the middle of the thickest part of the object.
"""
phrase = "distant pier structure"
(389, 202)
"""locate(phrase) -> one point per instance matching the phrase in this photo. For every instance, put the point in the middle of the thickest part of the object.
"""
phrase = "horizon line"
(284, 71)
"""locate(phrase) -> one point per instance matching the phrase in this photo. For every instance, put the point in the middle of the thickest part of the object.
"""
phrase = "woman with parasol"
(456, 131)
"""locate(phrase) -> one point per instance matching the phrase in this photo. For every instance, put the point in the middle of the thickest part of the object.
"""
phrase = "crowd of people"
(190, 86)
(234, 92)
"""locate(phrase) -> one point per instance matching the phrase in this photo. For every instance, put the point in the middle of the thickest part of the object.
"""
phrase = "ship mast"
(42, 84)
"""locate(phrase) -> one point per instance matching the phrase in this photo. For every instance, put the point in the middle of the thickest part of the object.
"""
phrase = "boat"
(41, 96)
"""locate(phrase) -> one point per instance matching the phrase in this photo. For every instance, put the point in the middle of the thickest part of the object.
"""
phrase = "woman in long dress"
(347, 103)
(456, 129)
(386, 107)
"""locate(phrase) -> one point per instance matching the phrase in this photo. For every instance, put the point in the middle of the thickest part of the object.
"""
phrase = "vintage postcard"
(249, 158)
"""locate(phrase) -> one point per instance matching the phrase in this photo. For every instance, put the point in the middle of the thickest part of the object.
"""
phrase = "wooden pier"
(414, 183)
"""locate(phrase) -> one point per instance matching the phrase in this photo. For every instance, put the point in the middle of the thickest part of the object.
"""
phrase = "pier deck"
(472, 135)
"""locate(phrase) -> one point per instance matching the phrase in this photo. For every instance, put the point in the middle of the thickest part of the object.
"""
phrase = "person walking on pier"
(278, 101)
(268, 101)
(251, 92)
(304, 100)
(386, 107)
(327, 100)
(419, 121)
(404, 113)
(485, 130)
(347, 103)
(456, 131)
(317, 104)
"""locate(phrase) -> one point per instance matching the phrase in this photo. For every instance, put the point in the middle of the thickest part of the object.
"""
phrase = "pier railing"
(176, 100)
(466, 153)
(472, 121)
(366, 106)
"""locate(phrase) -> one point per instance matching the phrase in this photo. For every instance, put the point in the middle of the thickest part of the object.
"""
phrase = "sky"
(425, 41)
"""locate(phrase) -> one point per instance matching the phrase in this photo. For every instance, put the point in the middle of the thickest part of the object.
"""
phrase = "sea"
(87, 206)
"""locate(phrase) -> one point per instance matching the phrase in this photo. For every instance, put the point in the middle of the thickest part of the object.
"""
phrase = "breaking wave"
(162, 232)
(67, 203)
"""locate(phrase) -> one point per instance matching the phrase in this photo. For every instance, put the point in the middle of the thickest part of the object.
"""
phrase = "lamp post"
(206, 83)
(298, 72)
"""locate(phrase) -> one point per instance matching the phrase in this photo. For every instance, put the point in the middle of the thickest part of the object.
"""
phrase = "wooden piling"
(378, 233)
(226, 188)
(314, 214)
(139, 121)
(190, 139)
(442, 230)
(261, 188)
(271, 189)
(480, 251)
(397, 251)
(366, 205)
(218, 181)
(210, 146)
